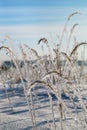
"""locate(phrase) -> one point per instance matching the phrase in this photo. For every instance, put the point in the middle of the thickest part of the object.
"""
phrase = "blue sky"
(26, 21)
(22, 12)
(7, 3)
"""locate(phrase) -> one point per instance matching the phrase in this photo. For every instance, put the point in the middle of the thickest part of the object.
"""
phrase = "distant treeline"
(8, 64)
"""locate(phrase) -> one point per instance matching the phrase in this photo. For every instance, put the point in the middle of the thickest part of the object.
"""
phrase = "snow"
(20, 117)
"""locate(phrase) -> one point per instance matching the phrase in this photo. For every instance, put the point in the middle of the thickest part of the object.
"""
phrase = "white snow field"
(19, 118)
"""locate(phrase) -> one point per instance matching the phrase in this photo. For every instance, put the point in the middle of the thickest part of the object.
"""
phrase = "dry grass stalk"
(33, 50)
(61, 115)
(51, 105)
(65, 26)
(66, 55)
(42, 82)
(6, 48)
(57, 73)
(72, 29)
(44, 40)
(76, 47)
(69, 17)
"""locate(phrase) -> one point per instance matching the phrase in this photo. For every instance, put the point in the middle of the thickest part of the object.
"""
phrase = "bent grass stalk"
(71, 32)
(65, 26)
(13, 55)
(31, 106)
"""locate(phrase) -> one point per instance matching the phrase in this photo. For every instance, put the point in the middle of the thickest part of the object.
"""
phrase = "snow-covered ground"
(20, 117)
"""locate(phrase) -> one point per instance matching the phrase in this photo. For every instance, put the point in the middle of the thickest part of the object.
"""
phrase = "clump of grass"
(58, 76)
